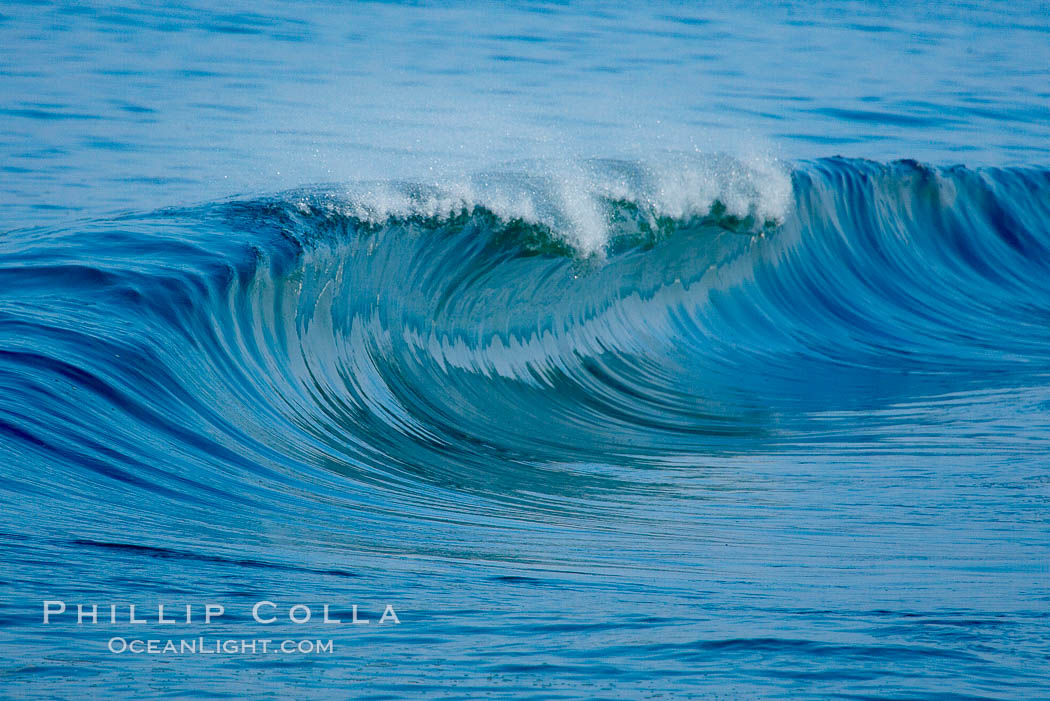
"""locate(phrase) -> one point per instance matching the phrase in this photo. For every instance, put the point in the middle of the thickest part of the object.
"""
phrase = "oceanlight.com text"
(226, 646)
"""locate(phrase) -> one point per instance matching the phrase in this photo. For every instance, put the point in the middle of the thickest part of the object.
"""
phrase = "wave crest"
(583, 204)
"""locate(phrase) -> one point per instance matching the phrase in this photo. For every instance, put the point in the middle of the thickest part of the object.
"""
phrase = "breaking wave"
(403, 345)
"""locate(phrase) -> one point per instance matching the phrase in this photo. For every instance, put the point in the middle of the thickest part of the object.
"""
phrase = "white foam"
(569, 197)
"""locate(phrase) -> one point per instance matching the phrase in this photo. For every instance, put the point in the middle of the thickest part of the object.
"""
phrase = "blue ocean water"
(661, 352)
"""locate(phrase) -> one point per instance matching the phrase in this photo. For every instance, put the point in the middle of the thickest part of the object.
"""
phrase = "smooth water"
(657, 353)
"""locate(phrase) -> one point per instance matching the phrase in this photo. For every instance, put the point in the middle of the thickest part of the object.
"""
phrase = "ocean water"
(670, 351)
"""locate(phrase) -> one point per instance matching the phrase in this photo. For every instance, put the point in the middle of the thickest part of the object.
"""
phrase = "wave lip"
(581, 202)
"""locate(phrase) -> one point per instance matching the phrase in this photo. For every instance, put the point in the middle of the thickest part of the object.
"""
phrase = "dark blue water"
(670, 352)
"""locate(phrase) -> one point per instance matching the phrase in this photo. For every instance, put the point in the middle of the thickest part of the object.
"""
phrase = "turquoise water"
(670, 352)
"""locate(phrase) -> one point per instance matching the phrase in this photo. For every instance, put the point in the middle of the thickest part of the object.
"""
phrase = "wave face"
(603, 376)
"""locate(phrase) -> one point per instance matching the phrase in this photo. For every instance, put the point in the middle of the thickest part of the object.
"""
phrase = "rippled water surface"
(676, 352)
